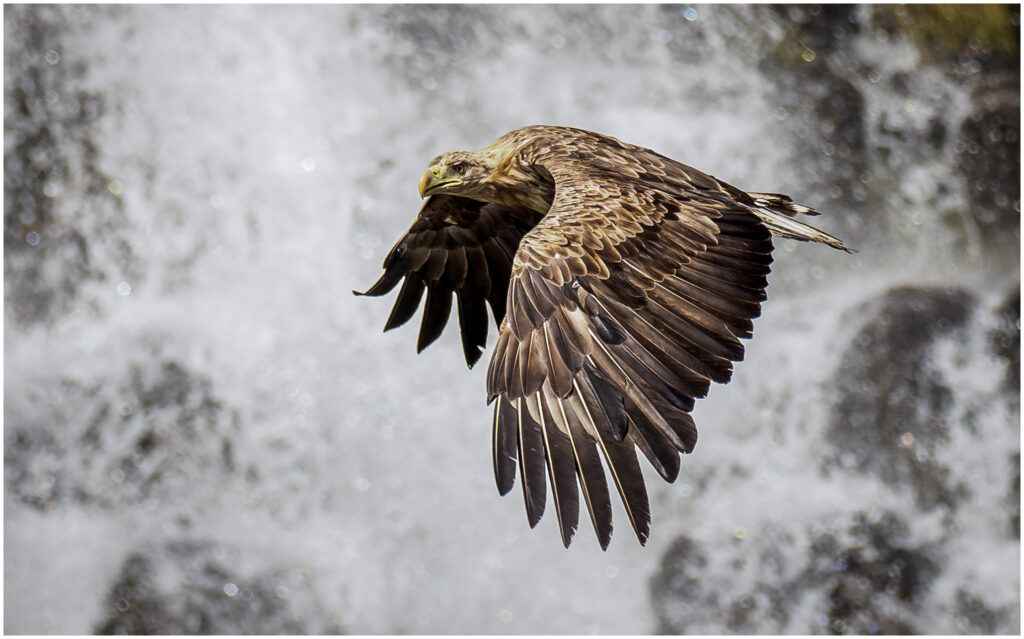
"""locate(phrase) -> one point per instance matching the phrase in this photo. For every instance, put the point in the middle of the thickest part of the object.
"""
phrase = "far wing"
(455, 246)
(626, 301)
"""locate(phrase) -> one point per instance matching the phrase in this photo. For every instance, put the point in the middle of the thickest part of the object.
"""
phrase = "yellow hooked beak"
(431, 180)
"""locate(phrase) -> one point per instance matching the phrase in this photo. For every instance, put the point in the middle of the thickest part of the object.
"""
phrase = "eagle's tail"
(778, 214)
(781, 204)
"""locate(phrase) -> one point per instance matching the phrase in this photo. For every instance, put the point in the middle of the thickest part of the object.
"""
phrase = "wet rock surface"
(1005, 342)
(899, 414)
(988, 151)
(892, 409)
(686, 601)
(820, 103)
(973, 617)
(956, 35)
(186, 588)
(821, 81)
(108, 441)
(867, 578)
(1012, 500)
(52, 249)
(893, 413)
(876, 579)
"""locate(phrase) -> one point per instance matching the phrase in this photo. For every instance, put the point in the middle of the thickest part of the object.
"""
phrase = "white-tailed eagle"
(622, 282)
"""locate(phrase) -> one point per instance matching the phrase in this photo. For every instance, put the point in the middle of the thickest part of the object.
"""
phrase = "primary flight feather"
(621, 282)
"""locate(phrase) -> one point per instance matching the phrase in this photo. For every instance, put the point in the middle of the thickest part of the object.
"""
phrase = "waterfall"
(206, 432)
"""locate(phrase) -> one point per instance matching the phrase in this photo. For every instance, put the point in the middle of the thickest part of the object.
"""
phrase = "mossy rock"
(943, 30)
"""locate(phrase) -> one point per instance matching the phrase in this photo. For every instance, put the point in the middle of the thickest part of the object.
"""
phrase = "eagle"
(621, 281)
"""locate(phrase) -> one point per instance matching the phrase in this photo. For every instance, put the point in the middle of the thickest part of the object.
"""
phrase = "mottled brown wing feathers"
(460, 247)
(626, 302)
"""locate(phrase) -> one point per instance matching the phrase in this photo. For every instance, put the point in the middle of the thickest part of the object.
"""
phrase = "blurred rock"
(1005, 342)
(1012, 500)
(822, 106)
(980, 45)
(61, 210)
(857, 158)
(687, 599)
(821, 29)
(184, 588)
(676, 588)
(988, 152)
(874, 578)
(973, 617)
(945, 34)
(109, 441)
(892, 406)
(865, 579)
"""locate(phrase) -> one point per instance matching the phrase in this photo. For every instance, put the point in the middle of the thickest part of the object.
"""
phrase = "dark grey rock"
(185, 588)
(973, 617)
(1004, 341)
(988, 152)
(684, 600)
(818, 100)
(61, 220)
(875, 580)
(1013, 497)
(865, 579)
(112, 441)
(822, 28)
(676, 589)
(891, 408)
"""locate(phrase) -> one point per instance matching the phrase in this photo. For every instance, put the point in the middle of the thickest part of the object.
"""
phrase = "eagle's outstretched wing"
(626, 301)
(455, 245)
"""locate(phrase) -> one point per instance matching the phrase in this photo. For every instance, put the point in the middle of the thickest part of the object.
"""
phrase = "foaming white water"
(265, 159)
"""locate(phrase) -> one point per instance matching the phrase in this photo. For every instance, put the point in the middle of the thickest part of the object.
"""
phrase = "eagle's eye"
(458, 167)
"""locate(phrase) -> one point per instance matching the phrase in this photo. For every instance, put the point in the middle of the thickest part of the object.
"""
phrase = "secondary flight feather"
(621, 282)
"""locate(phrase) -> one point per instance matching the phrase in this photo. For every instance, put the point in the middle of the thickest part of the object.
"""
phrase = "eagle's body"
(621, 280)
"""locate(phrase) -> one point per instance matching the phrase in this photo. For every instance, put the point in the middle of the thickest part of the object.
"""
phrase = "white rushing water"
(204, 393)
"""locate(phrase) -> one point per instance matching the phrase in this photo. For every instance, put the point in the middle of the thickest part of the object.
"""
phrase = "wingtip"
(604, 535)
(643, 533)
(473, 358)
(567, 538)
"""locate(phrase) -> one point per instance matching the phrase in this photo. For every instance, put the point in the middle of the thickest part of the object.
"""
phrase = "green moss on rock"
(941, 30)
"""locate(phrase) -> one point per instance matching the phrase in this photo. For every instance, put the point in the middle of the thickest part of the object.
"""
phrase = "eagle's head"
(465, 173)
(497, 173)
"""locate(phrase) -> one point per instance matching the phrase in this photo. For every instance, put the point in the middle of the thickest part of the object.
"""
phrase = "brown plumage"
(622, 282)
